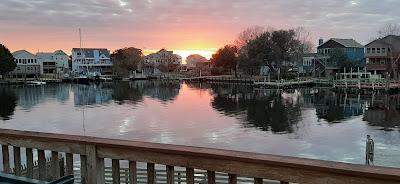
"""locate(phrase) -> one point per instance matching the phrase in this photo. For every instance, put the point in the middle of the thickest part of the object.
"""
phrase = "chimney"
(320, 41)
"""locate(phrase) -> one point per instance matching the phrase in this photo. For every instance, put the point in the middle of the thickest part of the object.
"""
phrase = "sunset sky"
(185, 26)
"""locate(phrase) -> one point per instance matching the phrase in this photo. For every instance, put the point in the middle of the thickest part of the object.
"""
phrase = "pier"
(233, 164)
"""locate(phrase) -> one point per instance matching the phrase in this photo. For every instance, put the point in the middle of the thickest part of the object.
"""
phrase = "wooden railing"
(236, 164)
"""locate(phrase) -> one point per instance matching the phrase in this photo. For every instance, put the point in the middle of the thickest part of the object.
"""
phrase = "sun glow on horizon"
(207, 52)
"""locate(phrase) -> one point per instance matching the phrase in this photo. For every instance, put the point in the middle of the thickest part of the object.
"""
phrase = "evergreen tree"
(7, 63)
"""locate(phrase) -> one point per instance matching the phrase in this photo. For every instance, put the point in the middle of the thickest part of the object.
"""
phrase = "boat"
(36, 82)
(106, 79)
(82, 79)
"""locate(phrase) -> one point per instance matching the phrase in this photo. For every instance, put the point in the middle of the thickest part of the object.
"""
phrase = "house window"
(382, 61)
(383, 50)
(78, 54)
(368, 50)
(378, 50)
(373, 50)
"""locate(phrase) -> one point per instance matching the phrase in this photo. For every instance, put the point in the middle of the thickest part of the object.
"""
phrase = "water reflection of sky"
(311, 123)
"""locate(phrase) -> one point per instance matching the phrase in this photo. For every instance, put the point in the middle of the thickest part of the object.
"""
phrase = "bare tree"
(248, 34)
(389, 29)
(305, 39)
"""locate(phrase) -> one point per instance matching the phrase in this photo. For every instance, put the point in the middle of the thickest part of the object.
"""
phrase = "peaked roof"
(345, 42)
(391, 40)
(348, 42)
(59, 52)
(16, 53)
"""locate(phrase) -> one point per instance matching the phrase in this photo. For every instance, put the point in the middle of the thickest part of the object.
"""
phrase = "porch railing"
(235, 164)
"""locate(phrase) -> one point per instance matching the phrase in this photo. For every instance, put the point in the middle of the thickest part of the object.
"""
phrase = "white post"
(345, 77)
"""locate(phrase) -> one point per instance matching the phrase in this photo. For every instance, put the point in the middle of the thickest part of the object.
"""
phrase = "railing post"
(17, 160)
(55, 166)
(69, 160)
(42, 164)
(6, 158)
(189, 175)
(232, 178)
(132, 172)
(258, 180)
(84, 174)
(100, 171)
(91, 165)
(115, 171)
(29, 162)
(211, 177)
(170, 174)
(151, 173)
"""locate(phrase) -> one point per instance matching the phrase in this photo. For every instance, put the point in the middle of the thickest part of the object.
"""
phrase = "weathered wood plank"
(62, 166)
(29, 162)
(100, 171)
(210, 177)
(151, 173)
(17, 160)
(6, 158)
(55, 166)
(247, 168)
(189, 175)
(170, 174)
(232, 179)
(132, 172)
(245, 164)
(91, 164)
(42, 165)
(69, 162)
(258, 180)
(84, 173)
(46, 144)
(115, 171)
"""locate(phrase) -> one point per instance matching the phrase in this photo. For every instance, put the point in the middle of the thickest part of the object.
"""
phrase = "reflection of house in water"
(306, 98)
(268, 110)
(29, 96)
(92, 94)
(162, 90)
(383, 111)
(336, 107)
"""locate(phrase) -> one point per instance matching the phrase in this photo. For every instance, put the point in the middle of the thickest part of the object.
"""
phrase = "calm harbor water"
(311, 123)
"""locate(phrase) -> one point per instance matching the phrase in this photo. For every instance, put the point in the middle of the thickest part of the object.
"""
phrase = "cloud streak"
(180, 24)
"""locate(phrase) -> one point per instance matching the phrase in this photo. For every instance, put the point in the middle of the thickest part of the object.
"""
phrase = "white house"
(86, 60)
(53, 62)
(163, 57)
(27, 65)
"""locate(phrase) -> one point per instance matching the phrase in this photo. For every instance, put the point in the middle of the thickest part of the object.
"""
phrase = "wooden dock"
(385, 85)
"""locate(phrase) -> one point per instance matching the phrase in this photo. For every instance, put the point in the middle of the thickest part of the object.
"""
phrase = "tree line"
(257, 46)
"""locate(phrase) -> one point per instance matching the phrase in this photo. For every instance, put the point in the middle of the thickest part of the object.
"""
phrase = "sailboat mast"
(80, 46)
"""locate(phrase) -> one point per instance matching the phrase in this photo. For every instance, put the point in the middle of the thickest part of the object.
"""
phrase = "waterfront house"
(306, 66)
(353, 50)
(163, 57)
(94, 60)
(53, 62)
(27, 65)
(382, 56)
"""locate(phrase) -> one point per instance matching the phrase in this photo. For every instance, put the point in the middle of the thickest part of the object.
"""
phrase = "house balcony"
(178, 163)
(377, 66)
